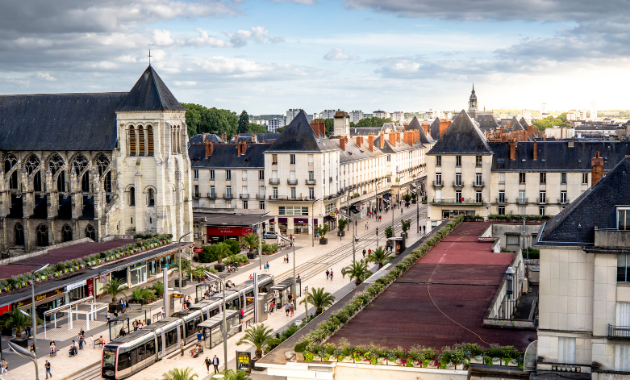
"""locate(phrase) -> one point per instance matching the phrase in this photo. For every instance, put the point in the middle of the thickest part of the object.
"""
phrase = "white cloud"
(204, 39)
(256, 34)
(45, 76)
(337, 54)
(301, 2)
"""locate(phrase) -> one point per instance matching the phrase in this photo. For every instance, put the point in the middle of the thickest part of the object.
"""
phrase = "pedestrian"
(108, 316)
(241, 316)
(181, 346)
(251, 276)
(369, 252)
(47, 366)
(28, 331)
(291, 308)
(163, 313)
(92, 341)
(286, 309)
(364, 253)
(4, 367)
(199, 336)
(82, 332)
(135, 325)
(215, 363)
(76, 347)
(287, 258)
(331, 274)
(298, 276)
(366, 225)
(207, 362)
(81, 340)
(327, 274)
(401, 211)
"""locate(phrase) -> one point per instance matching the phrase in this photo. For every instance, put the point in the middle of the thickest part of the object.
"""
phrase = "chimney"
(535, 150)
(597, 169)
(512, 150)
(397, 136)
(318, 127)
(530, 131)
(444, 126)
(254, 138)
(342, 143)
(371, 142)
(425, 128)
(203, 137)
(392, 138)
(209, 149)
(243, 147)
(359, 141)
(382, 139)
(322, 129)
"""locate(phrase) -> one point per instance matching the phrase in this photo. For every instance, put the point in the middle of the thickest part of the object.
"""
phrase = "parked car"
(270, 235)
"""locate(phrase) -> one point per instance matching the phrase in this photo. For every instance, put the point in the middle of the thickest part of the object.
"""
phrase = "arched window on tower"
(107, 182)
(85, 182)
(173, 142)
(42, 235)
(132, 196)
(61, 181)
(37, 181)
(151, 197)
(90, 232)
(150, 140)
(132, 141)
(141, 141)
(66, 233)
(19, 234)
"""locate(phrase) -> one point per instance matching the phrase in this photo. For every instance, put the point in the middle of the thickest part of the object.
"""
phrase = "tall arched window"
(9, 162)
(42, 235)
(173, 142)
(179, 139)
(85, 182)
(61, 181)
(151, 197)
(107, 182)
(140, 141)
(132, 141)
(19, 234)
(90, 232)
(66, 233)
(132, 196)
(150, 140)
(37, 181)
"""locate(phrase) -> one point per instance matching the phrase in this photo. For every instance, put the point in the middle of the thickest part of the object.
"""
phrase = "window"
(275, 192)
(211, 174)
(311, 193)
(623, 270)
(585, 178)
(521, 178)
(151, 197)
(501, 177)
(261, 174)
(274, 159)
(543, 197)
(310, 159)
(438, 160)
(66, 233)
(150, 140)
(140, 141)
(245, 192)
(541, 211)
(42, 235)
(566, 350)
(196, 191)
(311, 175)
(478, 197)
(61, 181)
(458, 197)
(478, 179)
(458, 179)
(244, 175)
(543, 178)
(228, 191)
(245, 205)
(261, 205)
(563, 178)
(107, 182)
(512, 239)
(623, 219)
(85, 182)
(292, 159)
(132, 141)
(502, 197)
(293, 193)
(330, 208)
(521, 196)
(478, 161)
(228, 175)
(90, 232)
(501, 210)
(132, 196)
(19, 234)
(438, 178)
(213, 193)
(563, 197)
(292, 210)
(458, 160)
(196, 174)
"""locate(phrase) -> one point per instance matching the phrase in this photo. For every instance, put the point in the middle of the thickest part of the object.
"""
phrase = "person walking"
(367, 225)
(286, 309)
(135, 325)
(215, 363)
(81, 341)
(92, 341)
(4, 367)
(207, 362)
(327, 274)
(181, 346)
(331, 274)
(291, 308)
(199, 336)
(364, 253)
(47, 366)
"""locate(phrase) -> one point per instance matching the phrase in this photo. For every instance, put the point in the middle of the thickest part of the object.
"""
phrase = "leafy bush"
(239, 259)
(235, 247)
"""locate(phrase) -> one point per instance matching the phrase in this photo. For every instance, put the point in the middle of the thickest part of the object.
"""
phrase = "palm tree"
(231, 375)
(380, 256)
(319, 298)
(114, 287)
(222, 251)
(186, 265)
(258, 336)
(180, 374)
(358, 271)
(251, 241)
(140, 295)
(18, 321)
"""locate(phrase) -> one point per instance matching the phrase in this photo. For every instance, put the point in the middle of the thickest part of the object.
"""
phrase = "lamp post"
(417, 208)
(34, 318)
(260, 237)
(294, 278)
(353, 236)
(225, 358)
(313, 218)
(179, 242)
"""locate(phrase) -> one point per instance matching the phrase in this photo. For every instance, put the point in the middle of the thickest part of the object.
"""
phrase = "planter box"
(496, 361)
(348, 359)
(219, 267)
(21, 342)
(323, 241)
(513, 363)
(477, 360)
(380, 361)
(251, 255)
(341, 233)
(317, 358)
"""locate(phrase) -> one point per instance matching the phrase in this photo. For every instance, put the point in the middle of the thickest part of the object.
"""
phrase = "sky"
(268, 56)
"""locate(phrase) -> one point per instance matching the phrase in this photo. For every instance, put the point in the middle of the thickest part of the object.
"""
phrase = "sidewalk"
(336, 255)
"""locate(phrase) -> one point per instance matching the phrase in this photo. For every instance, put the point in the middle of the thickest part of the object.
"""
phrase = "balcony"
(612, 238)
(619, 332)
(274, 181)
(541, 200)
(290, 198)
(196, 196)
(292, 181)
(457, 201)
(228, 196)
(521, 201)
(563, 201)
(479, 185)
(260, 197)
(310, 181)
(501, 201)
(438, 184)
(244, 196)
(212, 195)
(458, 185)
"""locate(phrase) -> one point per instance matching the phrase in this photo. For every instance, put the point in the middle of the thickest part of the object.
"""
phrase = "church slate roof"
(226, 156)
(462, 137)
(150, 94)
(575, 225)
(434, 129)
(300, 137)
(59, 121)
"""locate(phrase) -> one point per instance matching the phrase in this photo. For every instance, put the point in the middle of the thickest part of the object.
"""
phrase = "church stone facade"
(93, 165)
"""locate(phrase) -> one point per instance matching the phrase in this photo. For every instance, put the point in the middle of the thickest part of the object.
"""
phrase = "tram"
(136, 351)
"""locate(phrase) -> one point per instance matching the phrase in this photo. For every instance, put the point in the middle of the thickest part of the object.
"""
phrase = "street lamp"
(293, 245)
(34, 318)
(225, 358)
(260, 236)
(179, 242)
(313, 218)
(353, 236)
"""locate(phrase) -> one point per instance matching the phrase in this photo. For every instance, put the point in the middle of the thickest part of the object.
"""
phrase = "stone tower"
(472, 104)
(342, 124)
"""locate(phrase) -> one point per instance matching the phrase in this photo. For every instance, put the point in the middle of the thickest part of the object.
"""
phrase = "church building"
(93, 165)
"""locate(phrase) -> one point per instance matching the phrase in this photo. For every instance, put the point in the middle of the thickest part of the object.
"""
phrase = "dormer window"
(623, 219)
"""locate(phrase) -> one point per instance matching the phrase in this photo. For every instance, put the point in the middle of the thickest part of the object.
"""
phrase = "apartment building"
(584, 328)
(355, 116)
(381, 114)
(469, 175)
(291, 114)
(398, 116)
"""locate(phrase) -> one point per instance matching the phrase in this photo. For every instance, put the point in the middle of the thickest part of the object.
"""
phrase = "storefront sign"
(75, 285)
(103, 278)
(90, 284)
(229, 231)
(40, 297)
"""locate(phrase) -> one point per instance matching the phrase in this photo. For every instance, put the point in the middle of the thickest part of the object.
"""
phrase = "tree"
(231, 375)
(114, 287)
(243, 123)
(251, 241)
(255, 128)
(389, 232)
(180, 374)
(281, 129)
(372, 122)
(405, 224)
(342, 223)
(140, 295)
(258, 336)
(319, 298)
(16, 320)
(221, 250)
(200, 119)
(329, 126)
(357, 271)
(323, 230)
(186, 265)
(381, 257)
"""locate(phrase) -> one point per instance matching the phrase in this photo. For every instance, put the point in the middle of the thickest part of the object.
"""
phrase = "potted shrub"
(477, 359)
(308, 356)
(342, 223)
(322, 230)
(414, 197)
(15, 320)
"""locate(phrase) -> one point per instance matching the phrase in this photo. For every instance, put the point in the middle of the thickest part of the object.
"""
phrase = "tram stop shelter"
(85, 306)
(213, 328)
(202, 288)
(282, 290)
(122, 322)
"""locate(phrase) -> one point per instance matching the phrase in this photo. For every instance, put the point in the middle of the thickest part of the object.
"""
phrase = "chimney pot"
(243, 148)
(597, 168)
(535, 150)
(371, 142)
(342, 143)
(392, 138)
(209, 149)
(512, 150)
(382, 139)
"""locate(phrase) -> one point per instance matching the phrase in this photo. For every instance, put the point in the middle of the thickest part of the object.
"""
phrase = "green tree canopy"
(551, 121)
(243, 123)
(255, 128)
(371, 122)
(210, 120)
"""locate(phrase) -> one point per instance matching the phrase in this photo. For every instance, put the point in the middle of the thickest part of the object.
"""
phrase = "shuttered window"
(132, 141)
(150, 140)
(140, 141)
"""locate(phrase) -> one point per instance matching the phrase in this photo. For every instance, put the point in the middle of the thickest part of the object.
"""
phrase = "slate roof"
(415, 125)
(150, 94)
(364, 131)
(260, 137)
(487, 121)
(596, 127)
(515, 125)
(575, 225)
(354, 153)
(300, 137)
(523, 122)
(462, 137)
(209, 137)
(46, 121)
(434, 129)
(225, 156)
(557, 155)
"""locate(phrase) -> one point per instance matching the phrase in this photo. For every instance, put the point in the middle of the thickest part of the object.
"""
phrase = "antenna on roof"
(149, 57)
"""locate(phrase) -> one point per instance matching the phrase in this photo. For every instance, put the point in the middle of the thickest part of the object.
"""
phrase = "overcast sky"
(268, 56)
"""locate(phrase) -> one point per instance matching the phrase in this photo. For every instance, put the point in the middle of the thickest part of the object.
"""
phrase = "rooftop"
(462, 137)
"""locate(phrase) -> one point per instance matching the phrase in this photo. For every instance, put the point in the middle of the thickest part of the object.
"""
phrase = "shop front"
(331, 221)
(300, 225)
(138, 273)
(76, 291)
(44, 302)
(283, 225)
(219, 234)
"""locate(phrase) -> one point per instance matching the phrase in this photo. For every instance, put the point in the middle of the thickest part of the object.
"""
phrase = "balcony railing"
(541, 200)
(458, 184)
(479, 184)
(454, 201)
(292, 181)
(438, 184)
(310, 181)
(260, 196)
(244, 196)
(521, 201)
(290, 198)
(619, 332)
(196, 196)
(212, 195)
(228, 196)
(274, 181)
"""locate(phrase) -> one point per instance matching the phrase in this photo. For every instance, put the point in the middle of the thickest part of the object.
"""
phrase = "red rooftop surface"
(59, 255)
(462, 276)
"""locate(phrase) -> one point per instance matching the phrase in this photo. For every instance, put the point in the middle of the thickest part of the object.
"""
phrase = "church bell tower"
(472, 104)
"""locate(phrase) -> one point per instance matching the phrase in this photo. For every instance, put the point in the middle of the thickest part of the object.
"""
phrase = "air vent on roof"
(500, 160)
(543, 160)
(523, 160)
